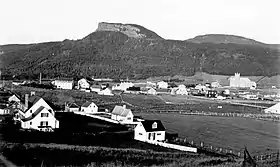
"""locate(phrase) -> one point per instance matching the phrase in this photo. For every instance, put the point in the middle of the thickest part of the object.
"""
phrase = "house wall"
(63, 84)
(82, 83)
(159, 135)
(92, 108)
(38, 104)
(35, 122)
(140, 133)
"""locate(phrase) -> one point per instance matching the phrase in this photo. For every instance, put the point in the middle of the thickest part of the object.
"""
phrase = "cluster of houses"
(35, 113)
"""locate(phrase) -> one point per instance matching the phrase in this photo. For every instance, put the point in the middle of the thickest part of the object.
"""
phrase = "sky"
(34, 21)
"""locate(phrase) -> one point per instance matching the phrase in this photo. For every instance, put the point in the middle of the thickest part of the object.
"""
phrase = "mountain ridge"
(133, 51)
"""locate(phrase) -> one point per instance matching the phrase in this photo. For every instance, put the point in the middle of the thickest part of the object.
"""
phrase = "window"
(44, 123)
(44, 114)
(30, 123)
(154, 125)
(140, 134)
(158, 134)
(30, 111)
(129, 118)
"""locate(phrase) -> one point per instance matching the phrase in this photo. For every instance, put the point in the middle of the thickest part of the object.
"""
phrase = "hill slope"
(136, 53)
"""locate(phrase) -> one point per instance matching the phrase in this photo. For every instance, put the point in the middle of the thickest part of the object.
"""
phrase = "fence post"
(211, 147)
(192, 142)
(221, 150)
(239, 154)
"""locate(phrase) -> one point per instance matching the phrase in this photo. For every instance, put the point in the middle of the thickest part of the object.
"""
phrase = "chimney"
(124, 106)
(26, 101)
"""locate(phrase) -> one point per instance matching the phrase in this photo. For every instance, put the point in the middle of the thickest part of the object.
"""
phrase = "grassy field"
(227, 132)
(70, 155)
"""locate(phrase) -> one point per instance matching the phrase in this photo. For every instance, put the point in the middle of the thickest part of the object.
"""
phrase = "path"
(5, 163)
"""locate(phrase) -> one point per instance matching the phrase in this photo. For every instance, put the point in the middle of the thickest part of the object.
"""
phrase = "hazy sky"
(32, 21)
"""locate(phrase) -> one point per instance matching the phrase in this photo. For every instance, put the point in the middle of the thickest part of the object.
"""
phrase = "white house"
(71, 107)
(151, 91)
(182, 90)
(41, 119)
(63, 83)
(122, 114)
(149, 130)
(89, 107)
(106, 91)
(215, 84)
(275, 109)
(122, 86)
(3, 110)
(241, 82)
(39, 116)
(162, 85)
(14, 98)
(83, 84)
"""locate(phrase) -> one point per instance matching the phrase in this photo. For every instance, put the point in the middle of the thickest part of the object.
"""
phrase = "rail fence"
(203, 147)
(271, 159)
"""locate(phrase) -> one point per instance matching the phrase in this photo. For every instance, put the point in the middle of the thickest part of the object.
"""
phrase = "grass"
(226, 132)
(69, 155)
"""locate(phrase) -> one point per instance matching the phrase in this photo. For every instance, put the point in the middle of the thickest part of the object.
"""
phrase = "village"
(34, 113)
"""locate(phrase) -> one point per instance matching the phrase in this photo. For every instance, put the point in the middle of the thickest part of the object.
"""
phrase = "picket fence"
(173, 146)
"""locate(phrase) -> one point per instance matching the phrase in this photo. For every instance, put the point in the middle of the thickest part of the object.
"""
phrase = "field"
(70, 155)
(227, 132)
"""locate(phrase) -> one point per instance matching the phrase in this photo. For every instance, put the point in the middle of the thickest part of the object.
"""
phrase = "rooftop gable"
(153, 125)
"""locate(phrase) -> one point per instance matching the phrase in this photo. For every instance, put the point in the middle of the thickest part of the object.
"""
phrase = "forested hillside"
(135, 52)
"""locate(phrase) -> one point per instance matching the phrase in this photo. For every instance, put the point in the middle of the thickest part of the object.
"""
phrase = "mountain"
(226, 39)
(127, 50)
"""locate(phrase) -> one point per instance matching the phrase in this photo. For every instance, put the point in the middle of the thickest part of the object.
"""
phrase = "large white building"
(162, 85)
(241, 82)
(63, 83)
(122, 86)
(275, 109)
(149, 130)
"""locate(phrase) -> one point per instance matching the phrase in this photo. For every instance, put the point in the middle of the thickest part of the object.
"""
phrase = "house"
(83, 84)
(241, 82)
(14, 98)
(122, 114)
(63, 83)
(275, 109)
(182, 90)
(211, 93)
(71, 107)
(215, 84)
(3, 109)
(106, 91)
(149, 130)
(151, 91)
(162, 85)
(39, 116)
(41, 119)
(122, 86)
(89, 107)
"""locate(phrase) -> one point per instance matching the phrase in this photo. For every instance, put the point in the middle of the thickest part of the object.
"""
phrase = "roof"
(120, 110)
(274, 108)
(86, 104)
(72, 105)
(34, 114)
(148, 125)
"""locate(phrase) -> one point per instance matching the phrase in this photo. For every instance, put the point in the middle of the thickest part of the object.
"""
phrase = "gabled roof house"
(122, 114)
(149, 130)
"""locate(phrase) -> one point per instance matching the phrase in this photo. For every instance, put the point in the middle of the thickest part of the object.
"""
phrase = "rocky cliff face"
(128, 30)
(131, 30)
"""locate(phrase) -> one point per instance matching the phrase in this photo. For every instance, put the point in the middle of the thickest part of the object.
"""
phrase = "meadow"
(226, 132)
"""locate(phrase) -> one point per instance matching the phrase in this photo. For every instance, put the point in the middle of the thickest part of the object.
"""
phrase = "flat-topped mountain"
(127, 50)
(131, 30)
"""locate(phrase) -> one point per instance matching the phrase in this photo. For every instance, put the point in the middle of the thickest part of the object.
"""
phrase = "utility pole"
(40, 78)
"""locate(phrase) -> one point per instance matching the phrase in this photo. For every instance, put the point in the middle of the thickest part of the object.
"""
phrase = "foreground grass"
(30, 154)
